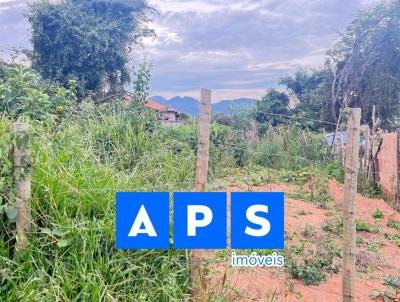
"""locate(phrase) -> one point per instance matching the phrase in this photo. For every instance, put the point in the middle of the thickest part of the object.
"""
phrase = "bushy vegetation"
(87, 41)
(363, 226)
(22, 92)
(82, 154)
(393, 224)
(313, 267)
(361, 70)
(77, 170)
(290, 148)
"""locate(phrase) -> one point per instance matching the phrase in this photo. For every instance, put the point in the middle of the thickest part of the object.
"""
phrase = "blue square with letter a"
(257, 220)
(200, 220)
(142, 220)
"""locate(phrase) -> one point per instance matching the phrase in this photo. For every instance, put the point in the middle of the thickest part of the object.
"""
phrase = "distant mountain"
(159, 99)
(185, 104)
(227, 106)
(190, 105)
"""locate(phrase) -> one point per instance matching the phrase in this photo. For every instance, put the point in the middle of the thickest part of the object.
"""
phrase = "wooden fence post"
(204, 140)
(22, 183)
(349, 206)
(198, 283)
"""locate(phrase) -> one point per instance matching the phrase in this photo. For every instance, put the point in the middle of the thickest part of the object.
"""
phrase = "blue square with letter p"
(257, 220)
(142, 220)
(200, 220)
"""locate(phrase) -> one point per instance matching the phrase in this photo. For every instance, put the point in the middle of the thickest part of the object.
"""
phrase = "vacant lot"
(313, 250)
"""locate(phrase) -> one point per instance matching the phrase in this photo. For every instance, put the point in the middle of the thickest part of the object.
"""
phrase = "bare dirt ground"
(377, 255)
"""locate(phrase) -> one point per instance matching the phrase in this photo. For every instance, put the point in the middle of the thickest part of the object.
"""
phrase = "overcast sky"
(237, 48)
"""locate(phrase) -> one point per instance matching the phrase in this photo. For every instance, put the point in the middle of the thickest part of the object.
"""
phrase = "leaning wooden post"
(198, 284)
(349, 200)
(366, 151)
(22, 183)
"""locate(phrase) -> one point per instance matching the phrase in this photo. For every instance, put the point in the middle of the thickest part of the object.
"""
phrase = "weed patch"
(393, 224)
(377, 214)
(362, 226)
(313, 267)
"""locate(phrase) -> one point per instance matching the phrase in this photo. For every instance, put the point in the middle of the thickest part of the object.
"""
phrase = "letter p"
(193, 223)
(199, 220)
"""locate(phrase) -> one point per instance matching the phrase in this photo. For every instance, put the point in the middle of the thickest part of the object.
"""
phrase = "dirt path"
(308, 225)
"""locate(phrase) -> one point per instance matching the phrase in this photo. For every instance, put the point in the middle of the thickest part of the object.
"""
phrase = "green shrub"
(378, 214)
(393, 282)
(23, 93)
(307, 231)
(336, 171)
(334, 226)
(312, 267)
(393, 224)
(363, 226)
(289, 147)
(309, 272)
(7, 190)
(367, 187)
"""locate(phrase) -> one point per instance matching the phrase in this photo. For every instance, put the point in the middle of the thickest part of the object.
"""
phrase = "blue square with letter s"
(200, 220)
(257, 220)
(142, 220)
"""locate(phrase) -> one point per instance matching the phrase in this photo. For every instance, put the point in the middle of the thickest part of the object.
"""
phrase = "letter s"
(263, 222)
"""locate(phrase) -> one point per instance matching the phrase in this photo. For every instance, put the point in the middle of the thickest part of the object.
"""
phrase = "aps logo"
(200, 220)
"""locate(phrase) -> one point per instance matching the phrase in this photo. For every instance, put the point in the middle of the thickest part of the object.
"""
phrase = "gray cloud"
(234, 47)
(13, 26)
(239, 45)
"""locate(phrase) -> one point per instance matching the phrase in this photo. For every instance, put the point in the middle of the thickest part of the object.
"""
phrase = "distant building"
(167, 116)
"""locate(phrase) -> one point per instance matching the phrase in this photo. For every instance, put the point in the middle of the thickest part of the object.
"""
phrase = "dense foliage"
(77, 171)
(362, 70)
(87, 41)
(312, 90)
(272, 108)
(23, 93)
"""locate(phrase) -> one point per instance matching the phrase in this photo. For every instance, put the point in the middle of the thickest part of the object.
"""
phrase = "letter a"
(142, 218)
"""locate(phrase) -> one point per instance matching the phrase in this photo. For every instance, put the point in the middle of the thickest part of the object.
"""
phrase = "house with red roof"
(168, 116)
(156, 106)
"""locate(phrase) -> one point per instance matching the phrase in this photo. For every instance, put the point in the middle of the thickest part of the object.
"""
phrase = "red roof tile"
(156, 106)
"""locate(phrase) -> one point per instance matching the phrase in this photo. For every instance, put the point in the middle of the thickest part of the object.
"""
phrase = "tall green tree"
(361, 70)
(89, 41)
(365, 64)
(272, 108)
(312, 89)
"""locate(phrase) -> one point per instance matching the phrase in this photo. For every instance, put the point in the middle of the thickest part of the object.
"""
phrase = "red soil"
(260, 284)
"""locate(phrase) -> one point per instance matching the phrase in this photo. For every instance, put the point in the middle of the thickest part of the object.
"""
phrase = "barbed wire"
(294, 117)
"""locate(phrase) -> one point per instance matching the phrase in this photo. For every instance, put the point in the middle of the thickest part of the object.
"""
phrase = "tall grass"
(289, 148)
(77, 170)
(80, 164)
